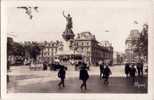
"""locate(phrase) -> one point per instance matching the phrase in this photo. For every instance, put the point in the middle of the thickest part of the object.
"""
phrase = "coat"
(132, 72)
(106, 72)
(127, 68)
(101, 68)
(61, 73)
(84, 74)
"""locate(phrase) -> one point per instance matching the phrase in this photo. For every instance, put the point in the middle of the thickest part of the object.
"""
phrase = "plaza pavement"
(24, 80)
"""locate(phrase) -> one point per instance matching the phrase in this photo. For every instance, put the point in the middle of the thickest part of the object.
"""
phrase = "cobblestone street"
(24, 80)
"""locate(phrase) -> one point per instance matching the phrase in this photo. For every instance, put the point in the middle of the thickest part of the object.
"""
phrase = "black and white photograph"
(64, 47)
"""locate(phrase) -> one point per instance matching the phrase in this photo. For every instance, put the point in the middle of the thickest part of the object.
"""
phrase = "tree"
(18, 49)
(141, 45)
(33, 50)
(14, 48)
(9, 46)
(144, 41)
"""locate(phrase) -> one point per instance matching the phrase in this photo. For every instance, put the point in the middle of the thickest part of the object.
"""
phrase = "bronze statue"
(69, 21)
(68, 33)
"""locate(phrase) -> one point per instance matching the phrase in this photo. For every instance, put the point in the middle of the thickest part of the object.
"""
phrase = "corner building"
(92, 50)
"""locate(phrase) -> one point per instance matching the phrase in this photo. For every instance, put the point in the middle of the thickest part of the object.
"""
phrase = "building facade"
(85, 44)
(49, 50)
(118, 58)
(92, 50)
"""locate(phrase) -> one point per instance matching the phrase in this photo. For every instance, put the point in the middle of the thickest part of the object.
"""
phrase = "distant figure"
(77, 65)
(83, 76)
(45, 66)
(101, 69)
(8, 65)
(132, 73)
(106, 73)
(61, 75)
(8, 69)
(127, 69)
(140, 68)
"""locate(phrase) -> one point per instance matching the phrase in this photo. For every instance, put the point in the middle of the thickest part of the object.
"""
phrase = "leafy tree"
(14, 48)
(33, 50)
(141, 45)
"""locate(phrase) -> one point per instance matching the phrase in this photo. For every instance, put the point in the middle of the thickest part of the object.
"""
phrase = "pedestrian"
(83, 76)
(45, 66)
(101, 69)
(141, 68)
(127, 69)
(132, 73)
(138, 68)
(61, 75)
(106, 73)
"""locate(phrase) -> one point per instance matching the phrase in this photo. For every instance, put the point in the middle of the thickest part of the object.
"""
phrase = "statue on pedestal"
(68, 33)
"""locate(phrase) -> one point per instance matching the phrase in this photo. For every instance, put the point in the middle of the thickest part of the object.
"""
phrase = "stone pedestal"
(68, 34)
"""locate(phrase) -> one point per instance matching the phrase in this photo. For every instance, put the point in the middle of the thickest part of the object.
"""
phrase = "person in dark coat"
(61, 75)
(140, 68)
(83, 76)
(101, 70)
(127, 69)
(132, 73)
(45, 66)
(106, 74)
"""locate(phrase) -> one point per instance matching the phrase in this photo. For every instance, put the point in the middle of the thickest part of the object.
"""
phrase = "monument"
(68, 33)
(68, 51)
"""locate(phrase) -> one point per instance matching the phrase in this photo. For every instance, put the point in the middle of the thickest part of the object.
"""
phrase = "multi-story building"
(118, 57)
(130, 47)
(49, 50)
(92, 50)
(85, 44)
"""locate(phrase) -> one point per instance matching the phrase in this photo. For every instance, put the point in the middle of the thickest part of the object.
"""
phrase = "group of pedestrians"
(105, 72)
(83, 76)
(131, 69)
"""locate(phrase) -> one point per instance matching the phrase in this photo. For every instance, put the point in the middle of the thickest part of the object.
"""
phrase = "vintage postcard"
(76, 50)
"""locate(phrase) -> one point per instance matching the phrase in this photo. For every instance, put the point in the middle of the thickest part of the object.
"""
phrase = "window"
(82, 43)
(76, 43)
(82, 49)
(87, 43)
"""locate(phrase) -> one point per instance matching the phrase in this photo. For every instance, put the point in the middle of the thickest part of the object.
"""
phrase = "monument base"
(68, 34)
(67, 54)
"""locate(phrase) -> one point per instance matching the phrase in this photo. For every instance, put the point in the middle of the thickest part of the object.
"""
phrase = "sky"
(96, 17)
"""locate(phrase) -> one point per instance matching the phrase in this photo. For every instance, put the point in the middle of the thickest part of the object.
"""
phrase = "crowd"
(132, 70)
(83, 76)
(105, 72)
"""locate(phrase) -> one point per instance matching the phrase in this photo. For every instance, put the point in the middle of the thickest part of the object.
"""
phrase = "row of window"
(83, 43)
